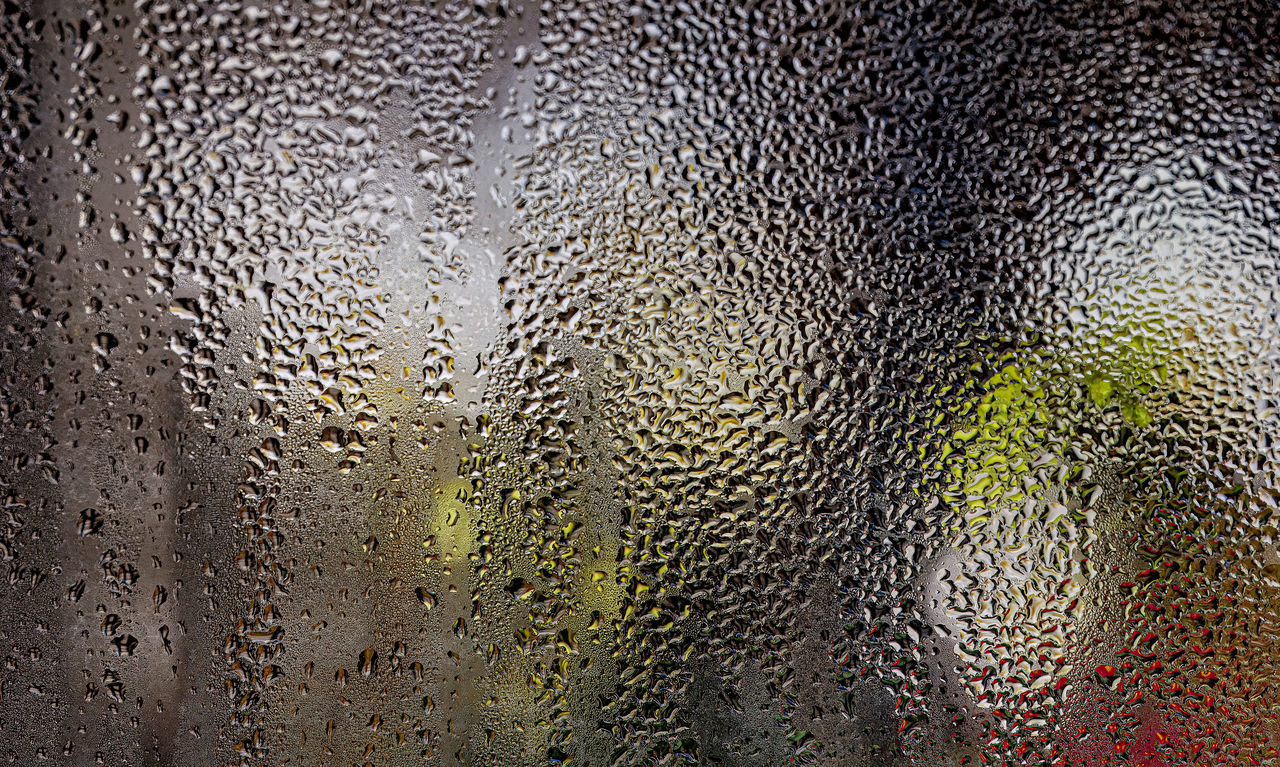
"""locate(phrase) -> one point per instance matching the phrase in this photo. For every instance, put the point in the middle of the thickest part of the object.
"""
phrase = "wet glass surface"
(673, 383)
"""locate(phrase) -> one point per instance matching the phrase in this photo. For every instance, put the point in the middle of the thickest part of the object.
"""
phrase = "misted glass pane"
(656, 384)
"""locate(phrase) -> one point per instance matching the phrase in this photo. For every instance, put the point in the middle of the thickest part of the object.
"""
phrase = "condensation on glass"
(678, 383)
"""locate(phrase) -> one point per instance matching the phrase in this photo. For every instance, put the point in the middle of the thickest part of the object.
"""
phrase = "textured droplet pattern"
(636, 384)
